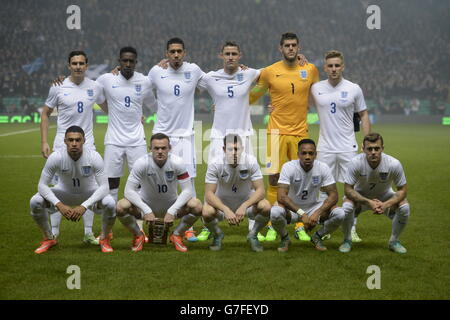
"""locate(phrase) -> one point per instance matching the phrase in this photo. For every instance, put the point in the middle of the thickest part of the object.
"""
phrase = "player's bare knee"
(208, 212)
(273, 179)
(122, 207)
(195, 206)
(264, 208)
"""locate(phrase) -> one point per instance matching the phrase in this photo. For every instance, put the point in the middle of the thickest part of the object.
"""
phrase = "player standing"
(74, 101)
(82, 183)
(235, 188)
(289, 86)
(302, 187)
(368, 182)
(158, 175)
(126, 95)
(175, 88)
(336, 100)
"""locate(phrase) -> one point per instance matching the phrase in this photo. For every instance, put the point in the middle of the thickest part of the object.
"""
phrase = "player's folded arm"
(132, 195)
(185, 195)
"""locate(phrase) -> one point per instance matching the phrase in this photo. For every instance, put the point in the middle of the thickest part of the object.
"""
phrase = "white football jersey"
(158, 184)
(74, 177)
(175, 91)
(234, 184)
(304, 187)
(125, 102)
(74, 104)
(230, 94)
(335, 106)
(372, 183)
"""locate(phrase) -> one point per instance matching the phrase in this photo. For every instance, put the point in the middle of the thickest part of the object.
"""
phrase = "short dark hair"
(306, 141)
(232, 138)
(174, 41)
(288, 36)
(128, 49)
(74, 129)
(77, 53)
(159, 136)
(230, 43)
(373, 137)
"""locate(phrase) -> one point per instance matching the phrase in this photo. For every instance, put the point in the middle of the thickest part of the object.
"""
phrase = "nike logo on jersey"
(319, 93)
(278, 75)
(115, 87)
(217, 79)
(66, 94)
(162, 77)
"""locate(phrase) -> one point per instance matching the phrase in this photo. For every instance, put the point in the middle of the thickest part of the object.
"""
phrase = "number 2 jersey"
(373, 183)
(304, 186)
(74, 104)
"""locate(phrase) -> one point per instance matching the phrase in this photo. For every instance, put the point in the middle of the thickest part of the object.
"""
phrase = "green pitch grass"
(160, 272)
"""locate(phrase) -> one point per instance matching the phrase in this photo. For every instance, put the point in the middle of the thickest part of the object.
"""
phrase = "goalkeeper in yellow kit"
(289, 88)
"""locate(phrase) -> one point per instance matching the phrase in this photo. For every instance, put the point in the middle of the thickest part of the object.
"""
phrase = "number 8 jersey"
(74, 104)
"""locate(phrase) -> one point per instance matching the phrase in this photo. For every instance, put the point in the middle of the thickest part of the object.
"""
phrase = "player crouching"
(82, 183)
(234, 188)
(151, 193)
(307, 193)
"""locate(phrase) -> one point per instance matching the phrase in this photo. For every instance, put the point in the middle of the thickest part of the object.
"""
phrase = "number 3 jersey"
(75, 177)
(234, 185)
(336, 106)
(372, 183)
(304, 186)
(158, 185)
(74, 104)
(125, 101)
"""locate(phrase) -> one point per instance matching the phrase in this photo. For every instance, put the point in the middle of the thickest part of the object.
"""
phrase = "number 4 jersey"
(234, 185)
(74, 104)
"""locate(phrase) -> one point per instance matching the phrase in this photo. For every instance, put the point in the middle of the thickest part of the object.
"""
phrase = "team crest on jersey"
(90, 92)
(86, 170)
(240, 77)
(138, 87)
(170, 175)
(187, 75)
(303, 74)
(344, 94)
(315, 180)
(383, 176)
(243, 174)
